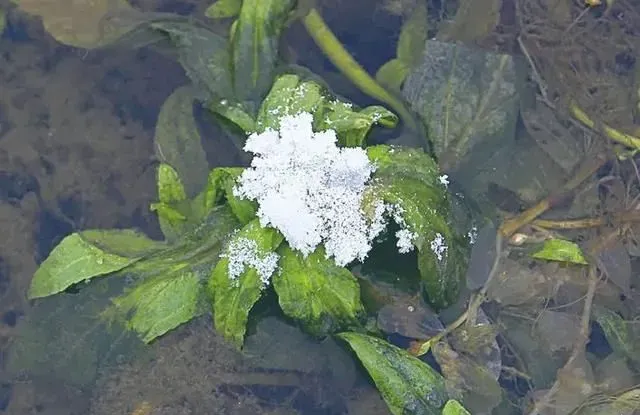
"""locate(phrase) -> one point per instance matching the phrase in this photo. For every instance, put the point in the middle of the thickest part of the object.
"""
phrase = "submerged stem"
(342, 59)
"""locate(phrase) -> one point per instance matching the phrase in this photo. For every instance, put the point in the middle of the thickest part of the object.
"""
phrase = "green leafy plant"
(231, 233)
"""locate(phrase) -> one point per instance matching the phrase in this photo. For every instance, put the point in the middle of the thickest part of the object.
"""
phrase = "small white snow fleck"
(439, 246)
(473, 235)
(444, 180)
(243, 253)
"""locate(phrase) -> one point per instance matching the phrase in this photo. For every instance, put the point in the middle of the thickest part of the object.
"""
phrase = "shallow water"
(76, 152)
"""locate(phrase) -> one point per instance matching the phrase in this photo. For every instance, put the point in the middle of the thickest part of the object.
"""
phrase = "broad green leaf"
(352, 125)
(289, 96)
(392, 74)
(560, 250)
(220, 185)
(453, 407)
(254, 48)
(178, 144)
(620, 336)
(468, 99)
(409, 179)
(407, 384)
(223, 8)
(80, 23)
(205, 57)
(159, 304)
(413, 36)
(315, 291)
(87, 254)
(233, 298)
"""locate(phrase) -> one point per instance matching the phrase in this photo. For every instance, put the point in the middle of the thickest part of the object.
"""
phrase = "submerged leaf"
(234, 297)
(173, 212)
(159, 304)
(254, 48)
(413, 36)
(324, 297)
(407, 384)
(177, 143)
(619, 333)
(78, 23)
(223, 8)
(468, 99)
(409, 180)
(87, 254)
(560, 250)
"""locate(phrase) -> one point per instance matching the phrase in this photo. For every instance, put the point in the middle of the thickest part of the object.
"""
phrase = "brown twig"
(588, 168)
(619, 219)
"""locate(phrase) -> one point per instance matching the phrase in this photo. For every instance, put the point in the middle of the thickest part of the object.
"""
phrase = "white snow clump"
(310, 189)
(244, 252)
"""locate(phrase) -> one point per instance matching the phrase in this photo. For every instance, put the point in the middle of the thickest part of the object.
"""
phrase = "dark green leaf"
(560, 250)
(407, 384)
(233, 298)
(468, 99)
(410, 180)
(254, 47)
(159, 304)
(223, 8)
(619, 333)
(453, 407)
(315, 291)
(178, 144)
(87, 254)
(204, 56)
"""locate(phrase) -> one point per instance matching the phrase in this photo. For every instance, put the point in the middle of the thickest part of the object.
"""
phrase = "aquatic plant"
(314, 201)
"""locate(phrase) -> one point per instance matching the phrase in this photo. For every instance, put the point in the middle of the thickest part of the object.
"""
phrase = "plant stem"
(342, 59)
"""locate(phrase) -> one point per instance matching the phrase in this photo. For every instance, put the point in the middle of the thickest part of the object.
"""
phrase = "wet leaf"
(517, 284)
(178, 144)
(233, 299)
(254, 48)
(315, 291)
(408, 318)
(171, 209)
(223, 8)
(87, 254)
(413, 36)
(562, 251)
(407, 384)
(478, 342)
(619, 333)
(467, 380)
(559, 330)
(410, 180)
(220, 185)
(78, 23)
(205, 57)
(353, 126)
(468, 99)
(289, 95)
(474, 20)
(453, 407)
(615, 263)
(625, 403)
(159, 304)
(3, 21)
